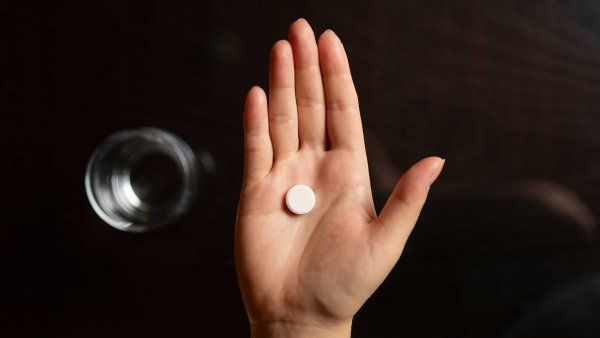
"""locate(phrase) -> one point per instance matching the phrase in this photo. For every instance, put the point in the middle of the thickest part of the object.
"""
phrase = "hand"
(308, 275)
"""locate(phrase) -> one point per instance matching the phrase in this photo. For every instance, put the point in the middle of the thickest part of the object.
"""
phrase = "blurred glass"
(142, 179)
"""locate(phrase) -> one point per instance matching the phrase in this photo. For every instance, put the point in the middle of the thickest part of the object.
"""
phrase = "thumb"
(401, 211)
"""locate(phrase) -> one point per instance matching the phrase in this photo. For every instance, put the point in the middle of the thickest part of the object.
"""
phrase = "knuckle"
(343, 105)
(310, 102)
(282, 119)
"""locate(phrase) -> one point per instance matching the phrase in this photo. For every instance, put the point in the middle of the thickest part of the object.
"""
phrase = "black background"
(508, 92)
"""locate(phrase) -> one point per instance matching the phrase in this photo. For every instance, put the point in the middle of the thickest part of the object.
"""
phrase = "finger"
(400, 213)
(343, 116)
(258, 152)
(283, 118)
(309, 86)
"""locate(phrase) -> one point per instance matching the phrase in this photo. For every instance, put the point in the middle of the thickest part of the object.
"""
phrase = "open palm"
(315, 269)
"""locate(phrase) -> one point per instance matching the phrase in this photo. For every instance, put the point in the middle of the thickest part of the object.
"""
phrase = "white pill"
(300, 199)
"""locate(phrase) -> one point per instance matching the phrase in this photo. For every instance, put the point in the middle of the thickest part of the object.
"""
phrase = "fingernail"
(437, 169)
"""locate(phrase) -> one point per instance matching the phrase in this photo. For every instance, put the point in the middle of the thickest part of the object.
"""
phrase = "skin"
(308, 275)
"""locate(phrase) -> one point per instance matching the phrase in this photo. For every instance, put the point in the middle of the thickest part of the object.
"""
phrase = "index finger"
(343, 115)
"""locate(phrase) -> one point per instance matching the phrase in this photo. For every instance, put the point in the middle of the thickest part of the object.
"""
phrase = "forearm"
(287, 330)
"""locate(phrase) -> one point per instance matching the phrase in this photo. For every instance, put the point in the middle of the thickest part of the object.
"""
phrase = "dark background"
(508, 92)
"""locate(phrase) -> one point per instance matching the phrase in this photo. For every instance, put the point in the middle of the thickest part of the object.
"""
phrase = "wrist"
(293, 330)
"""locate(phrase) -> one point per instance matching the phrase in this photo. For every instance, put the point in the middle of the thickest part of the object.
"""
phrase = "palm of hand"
(322, 266)
(291, 263)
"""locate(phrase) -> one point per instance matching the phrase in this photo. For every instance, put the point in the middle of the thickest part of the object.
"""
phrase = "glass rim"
(166, 142)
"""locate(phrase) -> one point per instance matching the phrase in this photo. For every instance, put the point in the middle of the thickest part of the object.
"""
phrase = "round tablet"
(300, 199)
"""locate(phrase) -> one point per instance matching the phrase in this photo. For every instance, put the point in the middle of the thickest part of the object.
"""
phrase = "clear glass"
(142, 179)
